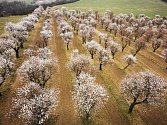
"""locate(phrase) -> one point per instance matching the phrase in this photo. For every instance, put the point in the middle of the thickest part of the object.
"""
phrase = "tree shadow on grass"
(164, 1)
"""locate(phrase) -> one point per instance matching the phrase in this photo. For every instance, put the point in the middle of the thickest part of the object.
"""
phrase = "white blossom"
(88, 95)
(104, 57)
(33, 104)
(79, 63)
(93, 47)
(129, 59)
(38, 68)
(113, 48)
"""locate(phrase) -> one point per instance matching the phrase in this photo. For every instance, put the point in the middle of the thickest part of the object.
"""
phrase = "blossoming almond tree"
(83, 32)
(84, 78)
(46, 32)
(129, 59)
(38, 69)
(144, 87)
(33, 105)
(104, 57)
(113, 48)
(79, 63)
(92, 47)
(29, 53)
(6, 66)
(67, 37)
(17, 31)
(88, 96)
(15, 45)
(113, 27)
(102, 37)
(140, 44)
(156, 43)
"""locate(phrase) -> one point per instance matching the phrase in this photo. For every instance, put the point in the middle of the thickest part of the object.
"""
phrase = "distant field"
(4, 20)
(148, 7)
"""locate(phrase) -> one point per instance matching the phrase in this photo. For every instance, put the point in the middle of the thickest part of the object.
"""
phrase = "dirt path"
(63, 80)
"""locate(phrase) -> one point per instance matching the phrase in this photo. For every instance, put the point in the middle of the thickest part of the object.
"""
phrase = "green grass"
(148, 7)
(4, 20)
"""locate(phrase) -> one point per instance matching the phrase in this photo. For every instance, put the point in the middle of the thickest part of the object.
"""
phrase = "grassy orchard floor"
(148, 7)
(115, 111)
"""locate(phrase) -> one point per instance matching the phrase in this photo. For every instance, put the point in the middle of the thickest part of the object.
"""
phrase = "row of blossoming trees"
(88, 96)
(16, 36)
(33, 102)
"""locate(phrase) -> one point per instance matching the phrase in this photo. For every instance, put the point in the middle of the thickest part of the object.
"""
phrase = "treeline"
(22, 8)
(164, 1)
(15, 8)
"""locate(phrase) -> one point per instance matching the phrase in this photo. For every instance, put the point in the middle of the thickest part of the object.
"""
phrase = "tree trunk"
(92, 56)
(131, 107)
(67, 47)
(135, 39)
(100, 68)
(113, 55)
(43, 85)
(123, 49)
(136, 52)
(21, 45)
(83, 40)
(17, 53)
(122, 39)
(87, 116)
(105, 45)
(126, 66)
(154, 50)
